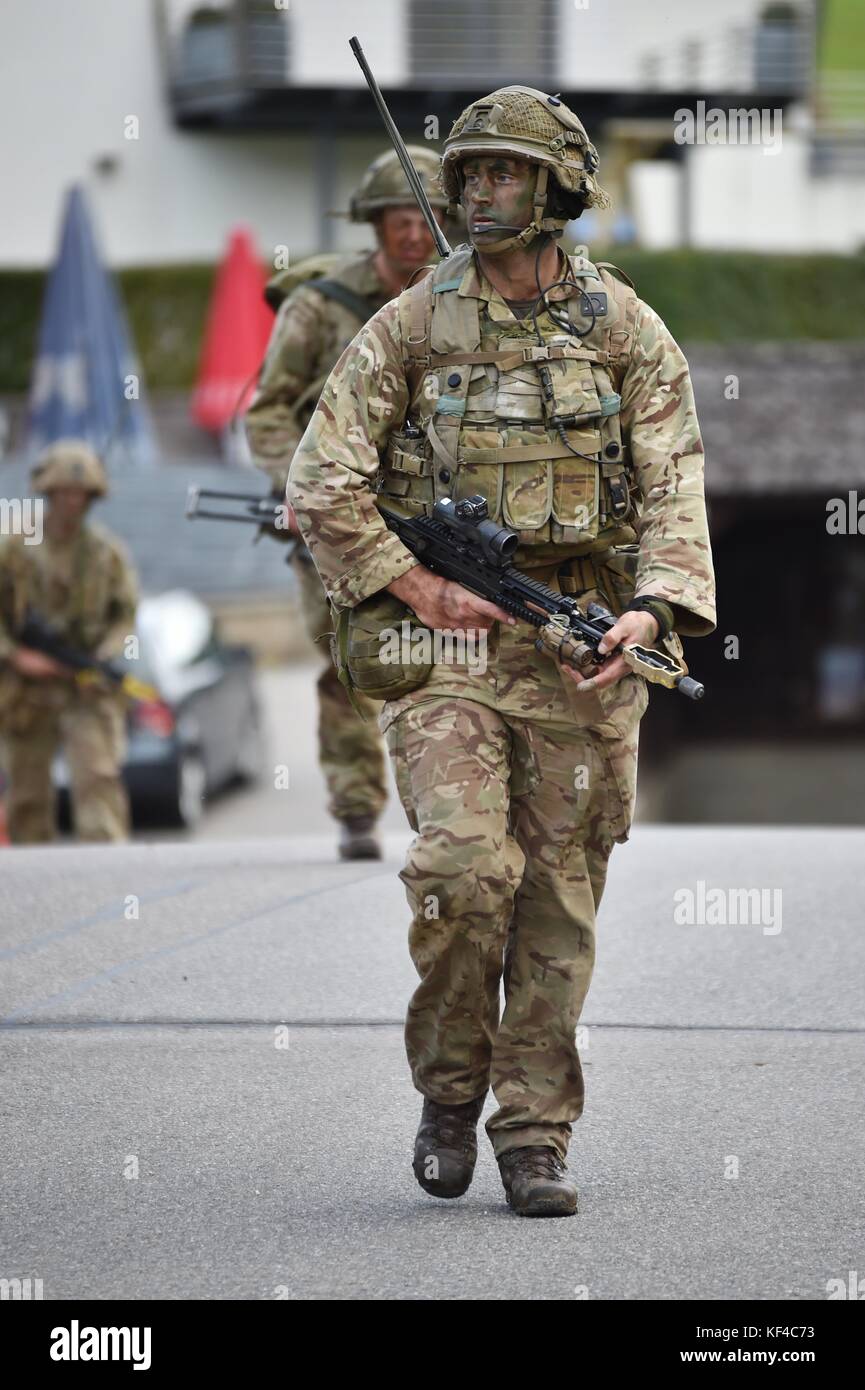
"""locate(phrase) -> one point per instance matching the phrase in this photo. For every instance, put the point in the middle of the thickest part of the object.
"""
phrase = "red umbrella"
(238, 327)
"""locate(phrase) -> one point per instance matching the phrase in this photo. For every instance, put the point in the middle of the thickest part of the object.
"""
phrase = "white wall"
(655, 190)
(322, 31)
(744, 199)
(79, 70)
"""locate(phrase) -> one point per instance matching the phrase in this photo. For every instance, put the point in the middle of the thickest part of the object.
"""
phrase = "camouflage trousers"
(91, 729)
(515, 819)
(350, 751)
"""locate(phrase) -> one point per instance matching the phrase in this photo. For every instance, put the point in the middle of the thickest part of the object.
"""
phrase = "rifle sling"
(349, 299)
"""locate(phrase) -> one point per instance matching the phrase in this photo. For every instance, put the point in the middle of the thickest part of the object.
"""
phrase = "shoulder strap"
(621, 337)
(616, 271)
(287, 281)
(349, 299)
(415, 320)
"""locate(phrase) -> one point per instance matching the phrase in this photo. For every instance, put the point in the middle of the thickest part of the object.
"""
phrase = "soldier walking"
(78, 578)
(542, 382)
(322, 304)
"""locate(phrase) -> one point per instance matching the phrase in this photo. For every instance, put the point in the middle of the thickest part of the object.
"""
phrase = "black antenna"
(442, 245)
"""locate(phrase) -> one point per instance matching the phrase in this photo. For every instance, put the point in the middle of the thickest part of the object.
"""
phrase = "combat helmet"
(384, 185)
(528, 123)
(69, 463)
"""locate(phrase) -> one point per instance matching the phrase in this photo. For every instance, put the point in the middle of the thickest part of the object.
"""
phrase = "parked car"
(204, 732)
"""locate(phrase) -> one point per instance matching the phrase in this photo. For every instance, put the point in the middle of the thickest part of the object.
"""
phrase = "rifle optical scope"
(497, 542)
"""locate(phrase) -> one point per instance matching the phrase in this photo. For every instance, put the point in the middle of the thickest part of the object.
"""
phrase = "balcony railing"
(484, 44)
(754, 59)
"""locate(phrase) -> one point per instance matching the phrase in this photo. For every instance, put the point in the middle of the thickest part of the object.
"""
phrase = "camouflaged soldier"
(79, 578)
(321, 304)
(546, 385)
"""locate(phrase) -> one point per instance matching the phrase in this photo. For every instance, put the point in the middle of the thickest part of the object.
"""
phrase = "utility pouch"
(616, 570)
(406, 472)
(376, 651)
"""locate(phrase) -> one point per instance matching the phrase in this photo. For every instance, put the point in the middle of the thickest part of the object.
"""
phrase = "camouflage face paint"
(497, 190)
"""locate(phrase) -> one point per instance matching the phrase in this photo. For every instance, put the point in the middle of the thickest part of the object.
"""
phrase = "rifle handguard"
(559, 641)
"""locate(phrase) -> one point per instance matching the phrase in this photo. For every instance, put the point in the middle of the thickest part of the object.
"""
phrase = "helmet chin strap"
(554, 225)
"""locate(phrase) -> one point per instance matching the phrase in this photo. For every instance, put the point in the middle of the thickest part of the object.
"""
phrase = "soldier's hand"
(640, 628)
(442, 603)
(28, 662)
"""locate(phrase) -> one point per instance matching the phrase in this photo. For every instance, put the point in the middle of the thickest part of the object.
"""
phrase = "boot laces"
(539, 1163)
(453, 1128)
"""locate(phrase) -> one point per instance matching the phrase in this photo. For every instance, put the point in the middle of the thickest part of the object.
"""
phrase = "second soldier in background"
(322, 303)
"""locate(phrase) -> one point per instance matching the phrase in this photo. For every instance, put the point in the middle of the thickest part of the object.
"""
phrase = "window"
(487, 44)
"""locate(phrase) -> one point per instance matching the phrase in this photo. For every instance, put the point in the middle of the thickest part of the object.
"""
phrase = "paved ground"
(205, 1093)
(152, 1046)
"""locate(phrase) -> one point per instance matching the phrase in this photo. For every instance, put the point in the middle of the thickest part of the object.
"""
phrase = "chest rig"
(72, 591)
(494, 412)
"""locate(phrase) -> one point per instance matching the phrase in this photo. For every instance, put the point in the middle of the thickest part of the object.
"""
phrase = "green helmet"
(530, 124)
(69, 463)
(384, 185)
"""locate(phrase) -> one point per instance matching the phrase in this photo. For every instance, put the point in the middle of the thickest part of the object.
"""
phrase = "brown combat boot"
(357, 838)
(446, 1147)
(537, 1182)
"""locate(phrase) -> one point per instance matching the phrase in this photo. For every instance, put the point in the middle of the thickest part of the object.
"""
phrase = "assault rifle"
(38, 634)
(459, 542)
(268, 512)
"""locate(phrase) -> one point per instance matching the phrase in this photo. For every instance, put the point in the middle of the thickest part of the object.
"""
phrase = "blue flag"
(86, 380)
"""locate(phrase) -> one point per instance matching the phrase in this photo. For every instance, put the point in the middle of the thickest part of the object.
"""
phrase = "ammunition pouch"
(372, 649)
(616, 571)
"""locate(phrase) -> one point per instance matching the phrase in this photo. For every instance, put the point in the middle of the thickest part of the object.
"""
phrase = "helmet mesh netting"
(522, 115)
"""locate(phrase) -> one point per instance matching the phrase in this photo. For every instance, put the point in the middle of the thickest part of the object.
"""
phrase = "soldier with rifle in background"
(78, 584)
(322, 302)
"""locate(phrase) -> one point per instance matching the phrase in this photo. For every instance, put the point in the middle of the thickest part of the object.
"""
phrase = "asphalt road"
(205, 1094)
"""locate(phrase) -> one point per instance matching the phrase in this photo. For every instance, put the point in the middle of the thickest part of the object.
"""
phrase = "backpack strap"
(356, 303)
(415, 321)
(620, 337)
(616, 271)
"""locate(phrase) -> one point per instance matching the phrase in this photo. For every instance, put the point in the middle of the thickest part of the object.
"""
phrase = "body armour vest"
(528, 419)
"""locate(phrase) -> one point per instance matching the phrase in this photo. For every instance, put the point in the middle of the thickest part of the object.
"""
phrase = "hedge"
(703, 296)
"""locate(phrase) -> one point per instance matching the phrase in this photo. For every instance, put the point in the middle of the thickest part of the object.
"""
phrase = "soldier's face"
(498, 192)
(69, 502)
(404, 237)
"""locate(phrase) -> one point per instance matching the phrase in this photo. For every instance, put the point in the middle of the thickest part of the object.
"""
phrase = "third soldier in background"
(78, 579)
(322, 302)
